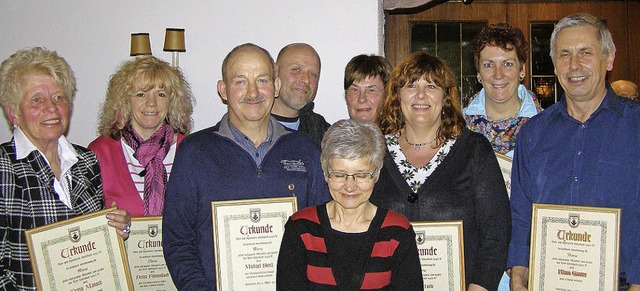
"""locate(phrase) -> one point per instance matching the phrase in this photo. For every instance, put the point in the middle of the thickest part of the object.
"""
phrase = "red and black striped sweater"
(313, 256)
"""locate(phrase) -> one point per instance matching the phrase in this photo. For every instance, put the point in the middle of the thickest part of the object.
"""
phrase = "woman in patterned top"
(349, 243)
(43, 177)
(146, 114)
(503, 105)
(436, 169)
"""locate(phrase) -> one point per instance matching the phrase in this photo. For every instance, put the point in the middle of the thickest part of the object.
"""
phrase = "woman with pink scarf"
(146, 114)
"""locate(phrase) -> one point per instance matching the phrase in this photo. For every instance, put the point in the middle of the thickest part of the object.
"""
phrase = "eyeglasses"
(340, 177)
(368, 91)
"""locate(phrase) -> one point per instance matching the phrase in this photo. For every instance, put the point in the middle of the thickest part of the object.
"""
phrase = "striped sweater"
(313, 256)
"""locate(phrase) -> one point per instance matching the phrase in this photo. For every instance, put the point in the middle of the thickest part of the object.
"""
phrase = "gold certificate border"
(139, 229)
(544, 212)
(223, 223)
(505, 163)
(455, 247)
(41, 237)
(504, 157)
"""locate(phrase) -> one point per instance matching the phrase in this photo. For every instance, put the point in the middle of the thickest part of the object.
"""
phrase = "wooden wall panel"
(623, 19)
(634, 41)
(614, 12)
(397, 38)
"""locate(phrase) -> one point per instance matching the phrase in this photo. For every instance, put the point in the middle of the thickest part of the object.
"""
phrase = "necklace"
(418, 146)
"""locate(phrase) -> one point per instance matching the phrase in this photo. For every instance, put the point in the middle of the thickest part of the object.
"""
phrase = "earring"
(521, 77)
(479, 80)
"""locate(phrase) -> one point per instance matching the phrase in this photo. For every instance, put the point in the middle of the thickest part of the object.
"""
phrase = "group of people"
(409, 152)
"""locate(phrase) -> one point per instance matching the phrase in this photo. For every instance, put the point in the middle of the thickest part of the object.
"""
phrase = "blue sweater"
(211, 167)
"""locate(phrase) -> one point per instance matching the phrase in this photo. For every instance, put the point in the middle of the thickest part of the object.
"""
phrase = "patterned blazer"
(28, 200)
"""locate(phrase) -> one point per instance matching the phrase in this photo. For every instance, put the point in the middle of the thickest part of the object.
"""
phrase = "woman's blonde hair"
(28, 61)
(143, 74)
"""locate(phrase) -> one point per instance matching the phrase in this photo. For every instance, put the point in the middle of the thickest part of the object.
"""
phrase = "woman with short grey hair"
(332, 245)
(351, 139)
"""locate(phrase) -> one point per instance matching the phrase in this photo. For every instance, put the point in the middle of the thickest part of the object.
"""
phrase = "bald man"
(299, 72)
(626, 89)
(247, 155)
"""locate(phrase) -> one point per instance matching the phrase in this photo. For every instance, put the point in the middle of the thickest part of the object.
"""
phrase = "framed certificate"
(146, 259)
(246, 238)
(574, 248)
(505, 167)
(441, 251)
(80, 253)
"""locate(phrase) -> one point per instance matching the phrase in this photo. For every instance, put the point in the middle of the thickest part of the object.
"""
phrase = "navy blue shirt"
(560, 160)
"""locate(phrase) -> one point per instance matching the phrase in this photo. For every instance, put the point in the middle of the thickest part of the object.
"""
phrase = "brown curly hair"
(504, 36)
(143, 74)
(414, 67)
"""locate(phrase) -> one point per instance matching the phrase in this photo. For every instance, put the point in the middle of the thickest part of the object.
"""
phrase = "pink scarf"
(150, 153)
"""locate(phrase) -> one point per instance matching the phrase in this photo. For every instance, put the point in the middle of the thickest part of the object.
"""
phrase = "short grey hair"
(604, 35)
(351, 139)
(35, 60)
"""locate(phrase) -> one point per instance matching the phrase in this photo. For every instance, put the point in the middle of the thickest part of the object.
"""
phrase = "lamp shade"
(174, 40)
(140, 44)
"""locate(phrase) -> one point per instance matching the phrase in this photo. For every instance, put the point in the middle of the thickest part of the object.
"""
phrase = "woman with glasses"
(436, 169)
(349, 243)
(364, 80)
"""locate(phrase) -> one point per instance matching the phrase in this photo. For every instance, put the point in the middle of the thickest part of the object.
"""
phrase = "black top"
(467, 186)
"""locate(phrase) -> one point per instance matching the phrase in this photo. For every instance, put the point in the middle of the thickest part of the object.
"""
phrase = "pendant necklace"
(418, 146)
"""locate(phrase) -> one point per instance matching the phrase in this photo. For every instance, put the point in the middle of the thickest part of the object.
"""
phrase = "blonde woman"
(147, 112)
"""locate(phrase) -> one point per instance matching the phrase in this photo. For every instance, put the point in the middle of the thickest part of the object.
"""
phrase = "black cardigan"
(467, 186)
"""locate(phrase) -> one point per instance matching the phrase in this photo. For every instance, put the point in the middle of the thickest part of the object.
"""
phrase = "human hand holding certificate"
(247, 236)
(574, 248)
(80, 253)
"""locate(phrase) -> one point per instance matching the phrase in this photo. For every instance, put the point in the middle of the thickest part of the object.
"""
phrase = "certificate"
(146, 259)
(574, 248)
(246, 238)
(81, 253)
(505, 167)
(441, 251)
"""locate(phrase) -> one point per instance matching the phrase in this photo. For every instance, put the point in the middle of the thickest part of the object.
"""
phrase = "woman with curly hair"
(146, 114)
(436, 169)
(44, 178)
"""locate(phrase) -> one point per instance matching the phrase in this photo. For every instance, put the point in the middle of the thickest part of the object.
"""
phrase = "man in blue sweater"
(247, 155)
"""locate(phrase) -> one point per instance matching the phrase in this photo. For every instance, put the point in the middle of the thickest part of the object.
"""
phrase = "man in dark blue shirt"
(583, 150)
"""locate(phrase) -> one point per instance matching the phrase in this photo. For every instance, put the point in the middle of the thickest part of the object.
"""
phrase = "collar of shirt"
(290, 122)
(276, 130)
(68, 157)
(609, 103)
(527, 108)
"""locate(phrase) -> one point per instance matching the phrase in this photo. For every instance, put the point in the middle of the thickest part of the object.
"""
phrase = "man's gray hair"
(604, 35)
